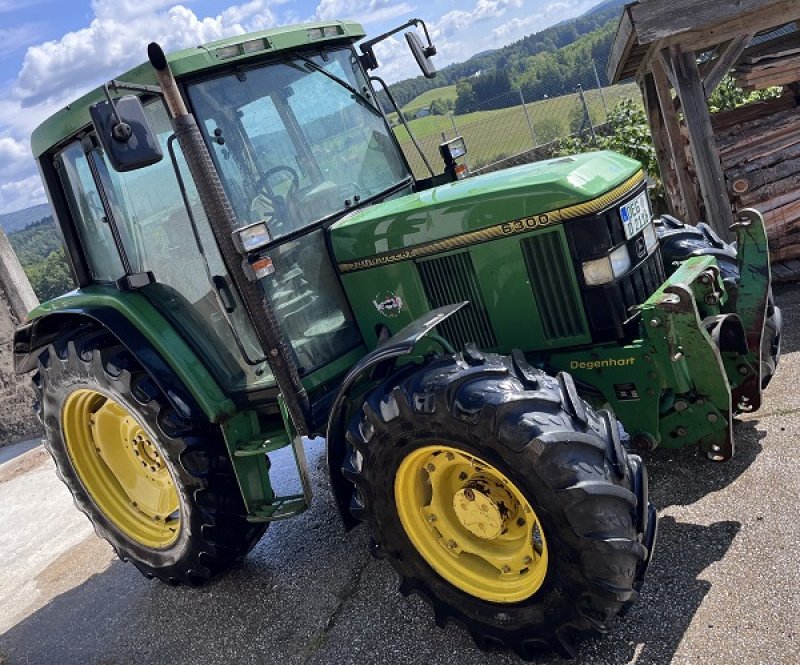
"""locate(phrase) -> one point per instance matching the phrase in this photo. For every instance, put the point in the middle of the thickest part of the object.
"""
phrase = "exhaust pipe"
(223, 221)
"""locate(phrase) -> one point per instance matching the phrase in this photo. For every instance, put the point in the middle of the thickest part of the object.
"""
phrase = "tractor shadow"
(311, 595)
(787, 297)
(680, 477)
(673, 591)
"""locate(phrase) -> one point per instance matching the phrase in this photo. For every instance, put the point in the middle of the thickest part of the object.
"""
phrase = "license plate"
(635, 215)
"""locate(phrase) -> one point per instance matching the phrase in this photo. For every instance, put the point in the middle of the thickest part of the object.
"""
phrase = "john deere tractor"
(256, 264)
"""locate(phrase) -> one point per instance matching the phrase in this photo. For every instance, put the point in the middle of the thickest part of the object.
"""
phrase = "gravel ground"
(723, 586)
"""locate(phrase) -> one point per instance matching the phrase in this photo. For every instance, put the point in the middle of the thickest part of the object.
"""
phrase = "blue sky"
(52, 51)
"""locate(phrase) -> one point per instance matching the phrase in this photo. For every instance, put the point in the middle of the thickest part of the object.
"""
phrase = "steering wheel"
(274, 206)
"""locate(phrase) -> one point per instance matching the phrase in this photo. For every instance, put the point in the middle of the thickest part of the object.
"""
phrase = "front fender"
(400, 344)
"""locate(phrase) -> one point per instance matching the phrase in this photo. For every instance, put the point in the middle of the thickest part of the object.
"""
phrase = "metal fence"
(506, 126)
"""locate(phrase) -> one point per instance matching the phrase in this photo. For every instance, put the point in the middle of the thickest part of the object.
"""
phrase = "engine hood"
(499, 204)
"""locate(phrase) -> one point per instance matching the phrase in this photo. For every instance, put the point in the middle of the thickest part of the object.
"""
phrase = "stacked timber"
(759, 147)
(771, 63)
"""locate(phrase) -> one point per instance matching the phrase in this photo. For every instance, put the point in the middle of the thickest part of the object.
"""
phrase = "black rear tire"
(213, 533)
(679, 241)
(588, 493)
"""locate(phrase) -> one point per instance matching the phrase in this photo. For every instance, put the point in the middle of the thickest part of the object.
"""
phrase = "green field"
(427, 98)
(492, 135)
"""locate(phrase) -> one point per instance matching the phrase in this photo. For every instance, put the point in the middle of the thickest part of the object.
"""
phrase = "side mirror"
(422, 54)
(125, 133)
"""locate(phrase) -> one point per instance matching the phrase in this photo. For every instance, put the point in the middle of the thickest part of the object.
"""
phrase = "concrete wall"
(17, 420)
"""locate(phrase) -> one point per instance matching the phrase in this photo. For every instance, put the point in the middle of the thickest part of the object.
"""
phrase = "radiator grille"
(642, 282)
(550, 272)
(451, 279)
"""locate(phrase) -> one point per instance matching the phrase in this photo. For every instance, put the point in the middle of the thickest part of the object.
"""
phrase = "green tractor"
(256, 264)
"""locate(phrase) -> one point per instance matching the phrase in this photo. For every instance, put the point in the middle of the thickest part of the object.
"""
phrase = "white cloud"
(516, 26)
(486, 9)
(55, 72)
(21, 193)
(360, 10)
(11, 149)
(118, 36)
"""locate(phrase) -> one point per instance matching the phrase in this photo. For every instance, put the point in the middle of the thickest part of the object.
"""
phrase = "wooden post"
(726, 59)
(658, 129)
(689, 192)
(701, 141)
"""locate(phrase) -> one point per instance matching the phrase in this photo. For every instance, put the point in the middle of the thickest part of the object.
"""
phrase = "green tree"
(50, 277)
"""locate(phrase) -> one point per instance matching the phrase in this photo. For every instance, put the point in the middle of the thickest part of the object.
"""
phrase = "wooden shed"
(715, 164)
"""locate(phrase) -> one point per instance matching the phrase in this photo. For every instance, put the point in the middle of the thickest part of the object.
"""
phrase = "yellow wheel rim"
(471, 524)
(120, 465)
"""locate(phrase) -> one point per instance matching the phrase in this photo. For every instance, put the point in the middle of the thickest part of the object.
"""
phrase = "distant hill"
(16, 221)
(512, 57)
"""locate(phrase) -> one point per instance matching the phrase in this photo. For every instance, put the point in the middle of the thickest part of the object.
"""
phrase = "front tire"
(501, 498)
(157, 485)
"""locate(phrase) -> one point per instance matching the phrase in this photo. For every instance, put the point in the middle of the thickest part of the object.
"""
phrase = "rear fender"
(171, 363)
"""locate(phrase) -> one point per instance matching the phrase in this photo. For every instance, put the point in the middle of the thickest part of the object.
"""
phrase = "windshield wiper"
(359, 97)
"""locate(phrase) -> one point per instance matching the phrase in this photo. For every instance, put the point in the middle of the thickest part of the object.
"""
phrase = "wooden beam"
(725, 61)
(661, 142)
(688, 189)
(774, 16)
(702, 142)
(659, 19)
(621, 46)
(664, 60)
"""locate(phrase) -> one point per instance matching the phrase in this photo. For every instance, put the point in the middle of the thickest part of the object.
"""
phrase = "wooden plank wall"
(759, 147)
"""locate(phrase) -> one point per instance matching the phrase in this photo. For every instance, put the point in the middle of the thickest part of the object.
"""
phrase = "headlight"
(603, 271)
(650, 237)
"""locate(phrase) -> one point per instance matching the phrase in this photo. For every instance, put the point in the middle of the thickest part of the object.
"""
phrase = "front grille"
(550, 274)
(642, 282)
(451, 279)
(608, 307)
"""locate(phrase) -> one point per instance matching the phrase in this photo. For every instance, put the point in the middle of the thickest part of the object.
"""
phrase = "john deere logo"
(388, 304)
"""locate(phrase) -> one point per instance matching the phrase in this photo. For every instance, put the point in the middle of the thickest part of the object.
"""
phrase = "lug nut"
(743, 370)
(430, 467)
(521, 521)
(462, 476)
(469, 494)
(680, 405)
(713, 417)
(527, 561)
(431, 518)
(681, 431)
(506, 569)
(450, 457)
(452, 544)
(654, 323)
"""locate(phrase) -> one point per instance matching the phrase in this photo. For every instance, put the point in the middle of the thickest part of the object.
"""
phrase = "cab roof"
(220, 53)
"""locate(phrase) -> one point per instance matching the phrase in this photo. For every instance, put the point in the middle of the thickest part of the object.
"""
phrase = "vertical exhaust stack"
(222, 220)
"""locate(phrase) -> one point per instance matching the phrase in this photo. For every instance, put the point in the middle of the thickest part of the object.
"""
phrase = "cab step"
(280, 508)
(263, 446)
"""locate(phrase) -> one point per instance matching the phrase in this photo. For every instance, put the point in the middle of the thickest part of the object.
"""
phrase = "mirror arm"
(122, 131)
(368, 59)
(400, 115)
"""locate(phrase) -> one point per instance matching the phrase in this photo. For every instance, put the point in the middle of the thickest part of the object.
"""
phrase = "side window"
(158, 237)
(87, 211)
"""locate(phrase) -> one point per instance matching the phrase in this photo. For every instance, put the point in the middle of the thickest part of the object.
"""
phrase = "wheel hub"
(471, 523)
(121, 467)
(483, 506)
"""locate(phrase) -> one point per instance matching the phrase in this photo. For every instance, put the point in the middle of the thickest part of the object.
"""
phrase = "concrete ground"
(723, 587)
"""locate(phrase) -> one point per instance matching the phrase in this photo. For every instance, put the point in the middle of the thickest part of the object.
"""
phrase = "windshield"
(292, 144)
